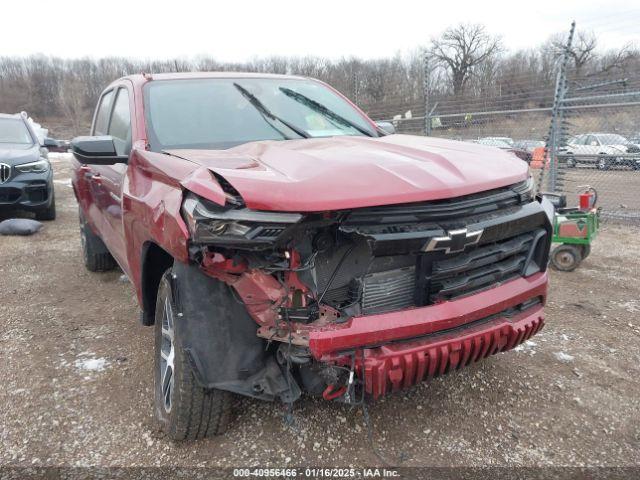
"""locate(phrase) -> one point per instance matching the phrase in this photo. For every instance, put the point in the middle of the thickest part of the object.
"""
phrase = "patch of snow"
(526, 347)
(91, 364)
(632, 306)
(564, 357)
(57, 156)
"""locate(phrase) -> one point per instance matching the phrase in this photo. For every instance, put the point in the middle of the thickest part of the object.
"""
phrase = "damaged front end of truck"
(359, 301)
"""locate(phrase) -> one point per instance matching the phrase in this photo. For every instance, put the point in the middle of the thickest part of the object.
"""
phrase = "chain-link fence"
(584, 132)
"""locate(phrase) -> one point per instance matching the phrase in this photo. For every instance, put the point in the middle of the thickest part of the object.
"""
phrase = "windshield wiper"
(265, 112)
(318, 107)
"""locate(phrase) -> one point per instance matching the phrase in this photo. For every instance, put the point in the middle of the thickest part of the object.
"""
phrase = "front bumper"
(395, 366)
(27, 191)
(404, 348)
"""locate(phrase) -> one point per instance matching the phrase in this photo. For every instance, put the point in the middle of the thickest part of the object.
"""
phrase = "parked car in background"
(26, 178)
(281, 242)
(602, 150)
(503, 145)
(508, 140)
(528, 145)
(58, 146)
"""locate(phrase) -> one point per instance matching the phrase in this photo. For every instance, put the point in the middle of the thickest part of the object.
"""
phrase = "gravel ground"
(77, 384)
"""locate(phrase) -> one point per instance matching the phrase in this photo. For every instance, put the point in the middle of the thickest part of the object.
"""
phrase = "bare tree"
(582, 51)
(462, 49)
(619, 60)
(72, 102)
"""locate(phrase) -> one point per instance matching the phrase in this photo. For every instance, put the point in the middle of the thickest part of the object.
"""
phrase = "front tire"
(48, 213)
(184, 410)
(566, 257)
(571, 162)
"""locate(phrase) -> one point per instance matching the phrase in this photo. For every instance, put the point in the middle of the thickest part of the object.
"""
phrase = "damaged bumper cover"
(401, 349)
(395, 366)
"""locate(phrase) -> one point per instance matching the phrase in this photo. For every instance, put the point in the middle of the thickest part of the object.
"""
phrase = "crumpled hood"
(351, 172)
(16, 153)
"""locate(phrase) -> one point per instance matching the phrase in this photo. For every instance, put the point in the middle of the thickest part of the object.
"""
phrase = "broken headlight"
(209, 222)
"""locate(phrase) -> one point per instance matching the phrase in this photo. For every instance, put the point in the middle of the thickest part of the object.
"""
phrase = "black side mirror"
(98, 150)
(49, 142)
(386, 127)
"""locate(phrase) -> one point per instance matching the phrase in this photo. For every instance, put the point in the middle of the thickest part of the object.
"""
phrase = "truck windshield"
(13, 130)
(221, 113)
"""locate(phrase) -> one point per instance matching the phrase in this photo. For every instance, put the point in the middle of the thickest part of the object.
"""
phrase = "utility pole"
(356, 86)
(556, 130)
(425, 90)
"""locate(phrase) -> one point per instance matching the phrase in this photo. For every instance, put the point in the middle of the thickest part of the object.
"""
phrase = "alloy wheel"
(167, 355)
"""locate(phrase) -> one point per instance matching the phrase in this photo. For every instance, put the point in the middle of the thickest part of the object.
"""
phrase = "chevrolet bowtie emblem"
(455, 241)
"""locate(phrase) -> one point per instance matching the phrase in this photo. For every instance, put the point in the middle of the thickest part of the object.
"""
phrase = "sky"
(239, 30)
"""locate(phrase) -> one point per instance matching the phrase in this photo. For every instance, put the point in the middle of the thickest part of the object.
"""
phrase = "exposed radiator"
(386, 291)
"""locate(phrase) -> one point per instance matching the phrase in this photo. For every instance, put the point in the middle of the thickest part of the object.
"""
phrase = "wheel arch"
(154, 261)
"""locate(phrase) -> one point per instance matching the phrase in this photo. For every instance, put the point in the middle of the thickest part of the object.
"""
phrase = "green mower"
(574, 228)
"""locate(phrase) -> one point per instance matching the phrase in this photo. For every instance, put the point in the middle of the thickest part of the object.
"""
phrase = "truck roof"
(142, 78)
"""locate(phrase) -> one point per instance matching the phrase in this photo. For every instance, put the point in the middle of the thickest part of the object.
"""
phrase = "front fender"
(151, 201)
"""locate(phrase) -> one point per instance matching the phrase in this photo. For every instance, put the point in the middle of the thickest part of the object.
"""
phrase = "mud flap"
(219, 338)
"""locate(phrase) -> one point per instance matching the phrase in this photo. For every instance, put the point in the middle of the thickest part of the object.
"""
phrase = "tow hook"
(333, 391)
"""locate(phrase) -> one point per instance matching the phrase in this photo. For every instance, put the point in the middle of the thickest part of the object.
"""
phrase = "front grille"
(5, 172)
(384, 264)
(442, 277)
(480, 268)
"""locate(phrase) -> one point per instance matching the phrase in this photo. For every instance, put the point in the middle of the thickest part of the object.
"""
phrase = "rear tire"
(566, 257)
(585, 250)
(48, 213)
(94, 252)
(184, 410)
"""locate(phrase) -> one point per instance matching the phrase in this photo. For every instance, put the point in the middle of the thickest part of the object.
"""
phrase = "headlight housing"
(525, 189)
(39, 166)
(210, 223)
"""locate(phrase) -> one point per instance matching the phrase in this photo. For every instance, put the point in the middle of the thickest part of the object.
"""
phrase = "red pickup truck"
(280, 241)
